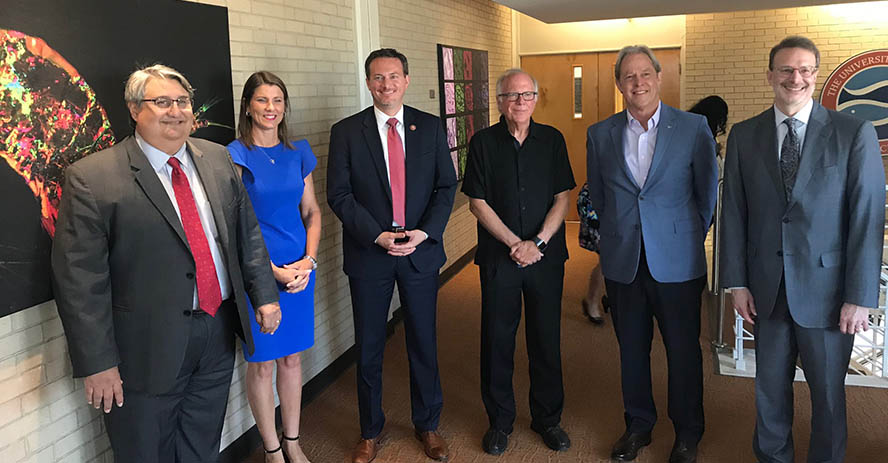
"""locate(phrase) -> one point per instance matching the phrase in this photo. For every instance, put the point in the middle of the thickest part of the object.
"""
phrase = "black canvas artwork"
(63, 66)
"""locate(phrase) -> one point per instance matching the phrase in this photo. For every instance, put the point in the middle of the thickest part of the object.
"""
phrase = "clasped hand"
(387, 241)
(294, 276)
(525, 253)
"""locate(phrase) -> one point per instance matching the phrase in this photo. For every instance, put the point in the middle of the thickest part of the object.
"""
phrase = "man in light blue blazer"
(653, 179)
(804, 215)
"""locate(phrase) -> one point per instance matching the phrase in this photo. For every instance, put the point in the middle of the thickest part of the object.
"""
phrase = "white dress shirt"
(158, 160)
(639, 144)
(803, 116)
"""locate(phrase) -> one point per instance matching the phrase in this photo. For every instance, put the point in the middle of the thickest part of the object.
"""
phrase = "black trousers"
(371, 299)
(502, 286)
(183, 425)
(676, 306)
(825, 353)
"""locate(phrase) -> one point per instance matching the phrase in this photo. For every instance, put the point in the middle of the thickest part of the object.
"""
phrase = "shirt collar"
(157, 158)
(803, 115)
(382, 118)
(531, 129)
(653, 122)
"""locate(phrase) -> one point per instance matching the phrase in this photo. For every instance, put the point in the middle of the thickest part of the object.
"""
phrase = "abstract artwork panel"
(448, 63)
(465, 103)
(62, 73)
(460, 98)
(451, 132)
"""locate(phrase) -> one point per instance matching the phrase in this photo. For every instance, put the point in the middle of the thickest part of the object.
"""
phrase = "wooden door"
(599, 97)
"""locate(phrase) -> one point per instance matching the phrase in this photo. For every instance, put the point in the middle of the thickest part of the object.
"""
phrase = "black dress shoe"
(495, 441)
(626, 449)
(554, 437)
(683, 452)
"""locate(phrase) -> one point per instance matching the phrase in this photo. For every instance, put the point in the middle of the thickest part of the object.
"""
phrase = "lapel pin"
(412, 127)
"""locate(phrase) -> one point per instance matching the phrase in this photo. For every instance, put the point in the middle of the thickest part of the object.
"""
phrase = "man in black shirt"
(517, 178)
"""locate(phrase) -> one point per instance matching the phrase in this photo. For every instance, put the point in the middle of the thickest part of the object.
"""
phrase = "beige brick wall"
(311, 45)
(727, 53)
(415, 27)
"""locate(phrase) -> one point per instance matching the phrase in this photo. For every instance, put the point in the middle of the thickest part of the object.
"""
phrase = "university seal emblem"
(859, 86)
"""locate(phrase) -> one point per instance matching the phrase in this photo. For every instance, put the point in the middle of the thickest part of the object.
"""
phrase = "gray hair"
(138, 80)
(632, 50)
(513, 72)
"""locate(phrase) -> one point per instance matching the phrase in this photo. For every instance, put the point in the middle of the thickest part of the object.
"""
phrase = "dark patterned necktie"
(790, 153)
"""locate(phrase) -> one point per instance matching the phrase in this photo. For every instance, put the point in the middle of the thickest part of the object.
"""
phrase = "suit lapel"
(617, 139)
(147, 179)
(374, 146)
(767, 151)
(411, 154)
(211, 189)
(813, 149)
(664, 137)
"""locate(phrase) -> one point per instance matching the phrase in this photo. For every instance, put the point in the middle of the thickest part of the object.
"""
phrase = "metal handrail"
(714, 288)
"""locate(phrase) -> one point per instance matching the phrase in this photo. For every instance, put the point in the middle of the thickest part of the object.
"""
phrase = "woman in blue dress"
(277, 175)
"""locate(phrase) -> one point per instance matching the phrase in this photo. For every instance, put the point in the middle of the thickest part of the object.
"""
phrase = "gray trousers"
(824, 354)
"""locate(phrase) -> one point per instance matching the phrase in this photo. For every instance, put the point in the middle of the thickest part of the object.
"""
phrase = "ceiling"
(558, 11)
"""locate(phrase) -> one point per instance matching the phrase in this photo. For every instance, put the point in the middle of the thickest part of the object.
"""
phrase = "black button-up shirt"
(519, 182)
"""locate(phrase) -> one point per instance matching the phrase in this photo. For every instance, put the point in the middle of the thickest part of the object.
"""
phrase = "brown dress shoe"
(434, 445)
(365, 451)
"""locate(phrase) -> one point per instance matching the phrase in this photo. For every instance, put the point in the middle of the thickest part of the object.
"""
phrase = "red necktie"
(396, 172)
(209, 296)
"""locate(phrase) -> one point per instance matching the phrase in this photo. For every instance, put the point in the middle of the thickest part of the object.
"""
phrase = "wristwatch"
(314, 262)
(540, 244)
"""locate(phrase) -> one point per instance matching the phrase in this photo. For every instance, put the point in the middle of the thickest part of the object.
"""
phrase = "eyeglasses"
(163, 102)
(513, 96)
(804, 71)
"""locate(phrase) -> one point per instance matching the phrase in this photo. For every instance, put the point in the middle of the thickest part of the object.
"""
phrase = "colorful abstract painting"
(62, 73)
(464, 97)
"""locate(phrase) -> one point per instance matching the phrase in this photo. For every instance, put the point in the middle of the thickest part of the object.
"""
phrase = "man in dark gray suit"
(804, 211)
(156, 249)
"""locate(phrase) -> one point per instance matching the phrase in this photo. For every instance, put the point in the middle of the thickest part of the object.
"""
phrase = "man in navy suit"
(804, 217)
(391, 181)
(653, 180)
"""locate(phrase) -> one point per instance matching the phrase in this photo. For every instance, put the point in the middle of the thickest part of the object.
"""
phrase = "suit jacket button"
(641, 198)
(786, 220)
(189, 275)
(779, 253)
(186, 313)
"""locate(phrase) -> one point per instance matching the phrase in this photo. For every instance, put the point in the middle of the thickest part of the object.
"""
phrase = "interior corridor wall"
(727, 53)
(311, 45)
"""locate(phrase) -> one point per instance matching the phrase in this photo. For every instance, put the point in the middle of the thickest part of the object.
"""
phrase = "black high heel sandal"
(279, 449)
(286, 437)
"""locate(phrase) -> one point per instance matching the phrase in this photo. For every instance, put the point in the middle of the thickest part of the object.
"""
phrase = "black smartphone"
(400, 240)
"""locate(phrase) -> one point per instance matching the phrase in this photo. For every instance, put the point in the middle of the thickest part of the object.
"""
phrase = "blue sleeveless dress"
(275, 189)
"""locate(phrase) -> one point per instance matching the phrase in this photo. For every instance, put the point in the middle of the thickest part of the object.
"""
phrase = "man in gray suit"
(653, 179)
(804, 211)
(156, 249)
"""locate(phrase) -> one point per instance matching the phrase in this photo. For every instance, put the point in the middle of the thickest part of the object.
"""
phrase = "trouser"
(183, 425)
(502, 286)
(371, 298)
(824, 353)
(676, 306)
